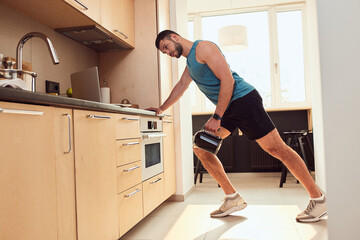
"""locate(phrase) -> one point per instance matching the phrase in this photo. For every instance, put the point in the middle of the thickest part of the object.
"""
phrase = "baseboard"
(180, 197)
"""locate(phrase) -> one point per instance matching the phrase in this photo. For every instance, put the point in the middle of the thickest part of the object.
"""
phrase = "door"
(65, 177)
(27, 173)
(96, 176)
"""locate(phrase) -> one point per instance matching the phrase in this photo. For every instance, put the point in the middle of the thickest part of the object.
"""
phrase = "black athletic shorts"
(248, 114)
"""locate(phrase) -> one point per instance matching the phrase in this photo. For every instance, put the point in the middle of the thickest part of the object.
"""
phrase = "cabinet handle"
(166, 121)
(69, 120)
(155, 181)
(132, 143)
(130, 119)
(167, 115)
(126, 37)
(98, 117)
(129, 195)
(131, 169)
(81, 4)
(24, 112)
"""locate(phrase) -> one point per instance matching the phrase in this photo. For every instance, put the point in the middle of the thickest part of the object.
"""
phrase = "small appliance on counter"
(85, 84)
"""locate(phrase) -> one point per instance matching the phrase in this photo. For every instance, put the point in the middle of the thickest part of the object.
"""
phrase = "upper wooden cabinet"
(118, 16)
(90, 8)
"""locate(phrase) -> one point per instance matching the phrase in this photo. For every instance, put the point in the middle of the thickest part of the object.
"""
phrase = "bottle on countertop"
(1, 61)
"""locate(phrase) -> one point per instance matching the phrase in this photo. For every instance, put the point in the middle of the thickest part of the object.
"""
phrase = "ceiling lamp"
(233, 38)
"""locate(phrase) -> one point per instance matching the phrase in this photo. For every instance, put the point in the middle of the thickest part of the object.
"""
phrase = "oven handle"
(154, 135)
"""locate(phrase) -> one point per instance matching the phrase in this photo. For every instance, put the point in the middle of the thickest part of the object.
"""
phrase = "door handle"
(69, 121)
(129, 144)
(131, 169)
(129, 195)
(98, 117)
(23, 112)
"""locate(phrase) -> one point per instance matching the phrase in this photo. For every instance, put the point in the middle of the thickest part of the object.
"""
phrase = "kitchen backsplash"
(72, 55)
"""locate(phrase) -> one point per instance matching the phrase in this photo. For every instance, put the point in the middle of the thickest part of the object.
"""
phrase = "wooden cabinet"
(28, 201)
(153, 193)
(130, 210)
(128, 176)
(128, 149)
(134, 74)
(65, 178)
(96, 176)
(90, 8)
(169, 157)
(118, 16)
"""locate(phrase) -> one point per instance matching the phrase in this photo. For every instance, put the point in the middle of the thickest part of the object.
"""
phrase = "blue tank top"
(208, 83)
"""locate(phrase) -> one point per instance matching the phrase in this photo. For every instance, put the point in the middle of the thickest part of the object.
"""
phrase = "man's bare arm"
(209, 53)
(176, 93)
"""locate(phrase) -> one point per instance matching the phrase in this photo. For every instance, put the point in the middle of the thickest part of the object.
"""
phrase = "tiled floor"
(270, 214)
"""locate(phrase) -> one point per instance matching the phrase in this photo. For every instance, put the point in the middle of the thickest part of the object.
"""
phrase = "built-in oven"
(151, 147)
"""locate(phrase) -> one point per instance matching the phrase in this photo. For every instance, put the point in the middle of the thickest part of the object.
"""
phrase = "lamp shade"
(233, 38)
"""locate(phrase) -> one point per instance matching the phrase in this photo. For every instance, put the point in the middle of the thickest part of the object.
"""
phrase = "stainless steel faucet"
(23, 40)
(28, 77)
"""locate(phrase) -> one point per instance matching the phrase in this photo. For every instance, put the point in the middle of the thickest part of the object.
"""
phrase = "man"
(238, 104)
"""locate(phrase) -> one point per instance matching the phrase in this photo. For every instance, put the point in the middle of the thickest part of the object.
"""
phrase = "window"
(274, 61)
(253, 63)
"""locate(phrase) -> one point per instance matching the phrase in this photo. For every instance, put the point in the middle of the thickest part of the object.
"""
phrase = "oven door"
(152, 154)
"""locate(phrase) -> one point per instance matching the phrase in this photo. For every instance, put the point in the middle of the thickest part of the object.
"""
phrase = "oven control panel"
(150, 125)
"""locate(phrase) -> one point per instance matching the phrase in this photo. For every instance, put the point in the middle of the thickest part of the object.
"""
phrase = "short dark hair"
(162, 35)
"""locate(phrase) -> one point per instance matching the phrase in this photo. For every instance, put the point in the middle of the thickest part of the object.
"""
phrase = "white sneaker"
(230, 205)
(315, 211)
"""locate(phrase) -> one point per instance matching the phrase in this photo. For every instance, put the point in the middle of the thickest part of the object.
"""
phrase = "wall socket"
(52, 87)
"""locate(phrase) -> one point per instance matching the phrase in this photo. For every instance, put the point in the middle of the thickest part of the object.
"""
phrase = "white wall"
(316, 94)
(339, 39)
(182, 111)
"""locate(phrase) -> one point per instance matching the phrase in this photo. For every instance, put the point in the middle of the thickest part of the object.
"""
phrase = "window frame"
(272, 10)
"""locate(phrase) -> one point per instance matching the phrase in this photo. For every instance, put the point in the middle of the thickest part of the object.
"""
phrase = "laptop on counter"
(85, 84)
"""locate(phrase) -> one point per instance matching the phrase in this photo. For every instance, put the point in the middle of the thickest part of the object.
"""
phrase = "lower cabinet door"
(153, 193)
(130, 210)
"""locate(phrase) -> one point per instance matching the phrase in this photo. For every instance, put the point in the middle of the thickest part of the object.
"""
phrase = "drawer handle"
(167, 115)
(98, 117)
(130, 119)
(81, 4)
(132, 143)
(126, 37)
(24, 112)
(166, 121)
(129, 195)
(69, 121)
(131, 169)
(155, 181)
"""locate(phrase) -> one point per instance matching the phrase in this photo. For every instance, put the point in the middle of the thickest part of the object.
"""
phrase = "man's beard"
(178, 48)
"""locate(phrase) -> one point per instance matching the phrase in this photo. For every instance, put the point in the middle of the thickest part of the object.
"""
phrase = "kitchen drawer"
(130, 208)
(127, 126)
(128, 176)
(128, 151)
(153, 193)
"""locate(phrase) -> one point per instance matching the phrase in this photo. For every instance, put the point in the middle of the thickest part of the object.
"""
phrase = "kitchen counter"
(21, 96)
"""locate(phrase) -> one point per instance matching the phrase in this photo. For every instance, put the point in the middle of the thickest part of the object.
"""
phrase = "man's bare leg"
(213, 165)
(275, 146)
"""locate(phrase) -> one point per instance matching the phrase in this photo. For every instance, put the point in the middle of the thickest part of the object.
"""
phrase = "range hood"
(93, 37)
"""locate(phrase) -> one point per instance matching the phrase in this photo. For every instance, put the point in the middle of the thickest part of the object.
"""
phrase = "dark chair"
(199, 169)
(295, 139)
